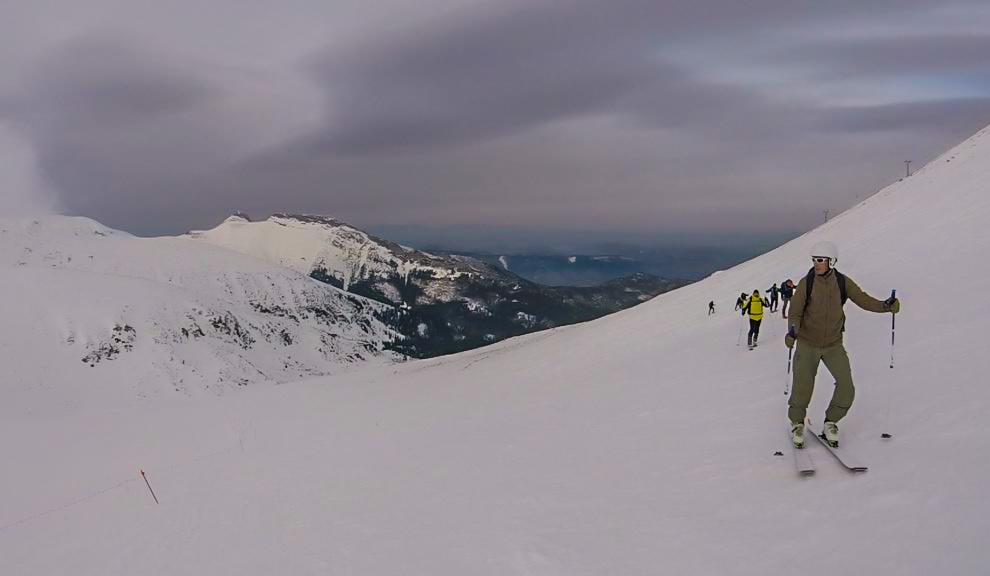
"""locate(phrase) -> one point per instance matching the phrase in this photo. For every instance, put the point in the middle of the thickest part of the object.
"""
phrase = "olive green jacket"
(821, 322)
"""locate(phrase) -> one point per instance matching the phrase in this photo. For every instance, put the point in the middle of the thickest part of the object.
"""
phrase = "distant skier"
(711, 307)
(786, 293)
(774, 291)
(754, 306)
(741, 301)
(817, 321)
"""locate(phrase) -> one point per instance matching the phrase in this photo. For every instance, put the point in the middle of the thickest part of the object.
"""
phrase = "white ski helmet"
(825, 249)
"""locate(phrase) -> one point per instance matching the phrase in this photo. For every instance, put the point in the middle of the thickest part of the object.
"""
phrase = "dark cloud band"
(579, 113)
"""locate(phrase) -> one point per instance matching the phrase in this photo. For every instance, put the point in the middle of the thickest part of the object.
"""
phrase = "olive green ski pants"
(806, 361)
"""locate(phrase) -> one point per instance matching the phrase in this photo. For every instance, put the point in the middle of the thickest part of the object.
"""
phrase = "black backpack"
(810, 280)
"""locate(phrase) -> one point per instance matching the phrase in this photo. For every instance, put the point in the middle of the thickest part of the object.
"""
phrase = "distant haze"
(629, 118)
(22, 192)
(568, 241)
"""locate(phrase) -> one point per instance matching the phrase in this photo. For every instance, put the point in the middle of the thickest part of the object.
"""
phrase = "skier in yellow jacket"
(817, 322)
(754, 306)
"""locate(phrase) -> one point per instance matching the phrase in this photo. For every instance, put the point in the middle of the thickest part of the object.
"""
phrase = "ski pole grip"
(893, 296)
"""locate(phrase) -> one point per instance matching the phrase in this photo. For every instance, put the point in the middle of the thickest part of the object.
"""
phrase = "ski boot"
(830, 434)
(797, 435)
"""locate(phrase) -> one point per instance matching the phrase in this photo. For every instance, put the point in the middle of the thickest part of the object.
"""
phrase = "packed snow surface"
(639, 444)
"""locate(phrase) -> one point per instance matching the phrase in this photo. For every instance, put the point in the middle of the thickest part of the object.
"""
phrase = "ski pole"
(741, 324)
(893, 319)
(790, 352)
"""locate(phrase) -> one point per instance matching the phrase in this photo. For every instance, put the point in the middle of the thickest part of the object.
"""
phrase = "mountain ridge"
(447, 302)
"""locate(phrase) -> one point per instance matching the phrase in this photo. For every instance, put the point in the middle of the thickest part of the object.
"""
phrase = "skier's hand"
(892, 305)
(790, 337)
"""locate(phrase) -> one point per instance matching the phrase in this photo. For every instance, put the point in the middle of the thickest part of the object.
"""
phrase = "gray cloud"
(106, 83)
(481, 79)
(914, 54)
(111, 129)
(485, 77)
(632, 114)
(951, 115)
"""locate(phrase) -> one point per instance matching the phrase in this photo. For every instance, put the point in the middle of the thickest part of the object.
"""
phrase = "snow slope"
(93, 315)
(639, 444)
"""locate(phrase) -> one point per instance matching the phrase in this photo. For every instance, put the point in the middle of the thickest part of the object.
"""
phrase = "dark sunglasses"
(821, 260)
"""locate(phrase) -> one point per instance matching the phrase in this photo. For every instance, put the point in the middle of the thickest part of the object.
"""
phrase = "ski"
(802, 459)
(843, 456)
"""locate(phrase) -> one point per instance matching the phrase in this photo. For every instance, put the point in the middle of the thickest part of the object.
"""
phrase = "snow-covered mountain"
(449, 303)
(324, 247)
(641, 443)
(88, 310)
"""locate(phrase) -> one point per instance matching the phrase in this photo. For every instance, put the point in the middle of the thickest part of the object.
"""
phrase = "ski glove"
(789, 341)
(892, 305)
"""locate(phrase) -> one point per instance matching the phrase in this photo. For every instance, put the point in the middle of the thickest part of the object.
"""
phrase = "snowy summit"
(308, 244)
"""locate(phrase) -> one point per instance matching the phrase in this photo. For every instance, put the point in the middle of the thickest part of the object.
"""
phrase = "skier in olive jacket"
(817, 324)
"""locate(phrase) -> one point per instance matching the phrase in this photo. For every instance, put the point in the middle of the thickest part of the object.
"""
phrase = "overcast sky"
(620, 116)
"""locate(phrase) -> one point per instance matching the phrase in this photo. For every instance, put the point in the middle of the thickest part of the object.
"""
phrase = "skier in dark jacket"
(786, 293)
(711, 307)
(741, 301)
(774, 291)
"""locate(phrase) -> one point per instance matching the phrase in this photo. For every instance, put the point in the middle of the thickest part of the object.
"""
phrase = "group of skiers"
(777, 293)
(754, 305)
(815, 326)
